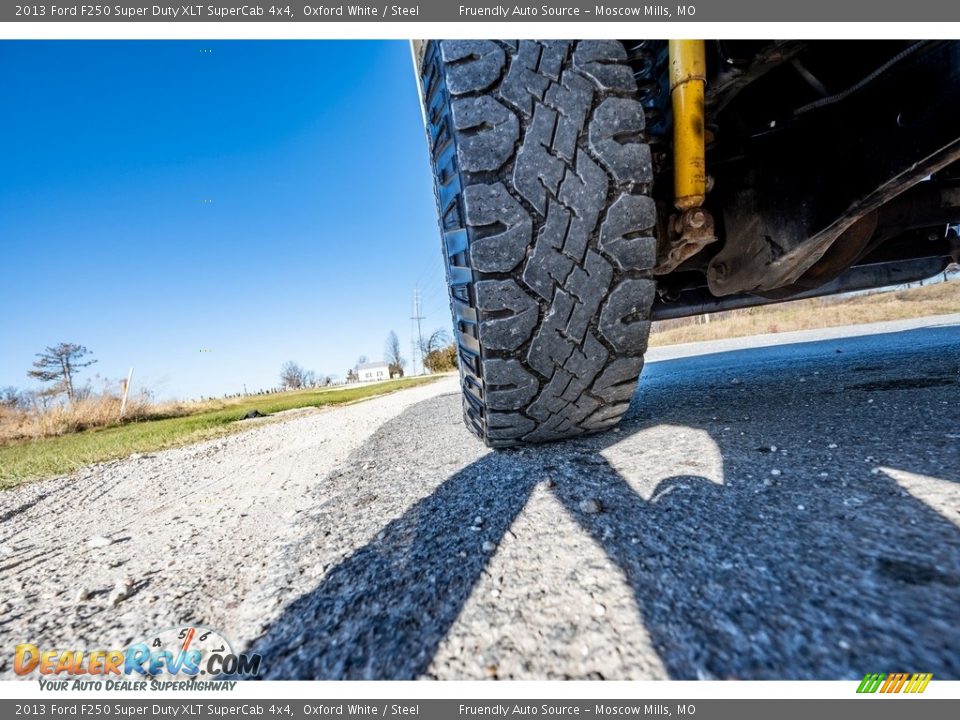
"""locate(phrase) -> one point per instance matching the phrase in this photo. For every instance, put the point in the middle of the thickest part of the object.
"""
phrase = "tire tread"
(543, 179)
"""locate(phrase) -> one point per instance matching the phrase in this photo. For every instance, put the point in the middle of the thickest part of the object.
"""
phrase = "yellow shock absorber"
(688, 79)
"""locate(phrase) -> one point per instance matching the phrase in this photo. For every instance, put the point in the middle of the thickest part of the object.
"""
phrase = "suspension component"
(688, 80)
(688, 232)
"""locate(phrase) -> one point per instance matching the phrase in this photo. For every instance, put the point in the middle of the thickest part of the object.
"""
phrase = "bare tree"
(292, 376)
(362, 359)
(10, 397)
(438, 339)
(391, 354)
(59, 364)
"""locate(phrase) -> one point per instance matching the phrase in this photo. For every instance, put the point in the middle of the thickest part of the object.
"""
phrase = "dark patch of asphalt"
(780, 512)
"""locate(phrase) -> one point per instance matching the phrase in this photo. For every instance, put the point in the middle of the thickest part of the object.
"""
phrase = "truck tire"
(543, 178)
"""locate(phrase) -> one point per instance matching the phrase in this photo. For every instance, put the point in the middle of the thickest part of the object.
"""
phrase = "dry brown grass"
(939, 299)
(58, 418)
(62, 418)
(96, 411)
(155, 427)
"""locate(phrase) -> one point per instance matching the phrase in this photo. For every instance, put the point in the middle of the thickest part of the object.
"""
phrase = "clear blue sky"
(321, 219)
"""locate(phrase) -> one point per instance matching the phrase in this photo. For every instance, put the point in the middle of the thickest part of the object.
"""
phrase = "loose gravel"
(106, 555)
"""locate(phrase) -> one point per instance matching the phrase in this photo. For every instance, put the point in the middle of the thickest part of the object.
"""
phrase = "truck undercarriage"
(831, 166)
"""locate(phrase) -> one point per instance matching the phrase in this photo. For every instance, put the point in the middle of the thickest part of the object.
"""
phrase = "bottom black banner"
(874, 707)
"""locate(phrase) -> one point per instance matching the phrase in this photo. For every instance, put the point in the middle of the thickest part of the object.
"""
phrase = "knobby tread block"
(543, 176)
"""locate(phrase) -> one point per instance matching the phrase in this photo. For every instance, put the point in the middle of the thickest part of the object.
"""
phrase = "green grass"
(25, 460)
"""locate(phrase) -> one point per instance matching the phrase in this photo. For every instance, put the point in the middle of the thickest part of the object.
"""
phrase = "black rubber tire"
(543, 178)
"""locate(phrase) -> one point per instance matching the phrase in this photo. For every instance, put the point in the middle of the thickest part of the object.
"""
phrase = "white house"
(372, 372)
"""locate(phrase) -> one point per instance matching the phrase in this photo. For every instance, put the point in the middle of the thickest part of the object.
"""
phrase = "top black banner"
(739, 11)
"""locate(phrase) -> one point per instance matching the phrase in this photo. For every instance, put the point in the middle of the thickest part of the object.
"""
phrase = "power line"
(434, 287)
(431, 271)
(436, 267)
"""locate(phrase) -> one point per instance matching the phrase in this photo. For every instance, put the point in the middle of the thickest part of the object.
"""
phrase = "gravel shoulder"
(102, 557)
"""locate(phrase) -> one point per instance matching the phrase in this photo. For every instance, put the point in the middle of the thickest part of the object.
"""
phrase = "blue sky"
(320, 220)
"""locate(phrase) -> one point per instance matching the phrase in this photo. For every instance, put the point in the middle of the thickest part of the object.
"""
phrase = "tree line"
(438, 352)
(58, 365)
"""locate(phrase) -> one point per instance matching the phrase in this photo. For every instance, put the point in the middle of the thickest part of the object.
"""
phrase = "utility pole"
(417, 317)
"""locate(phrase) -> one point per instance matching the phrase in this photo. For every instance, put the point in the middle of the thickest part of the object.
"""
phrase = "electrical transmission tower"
(417, 317)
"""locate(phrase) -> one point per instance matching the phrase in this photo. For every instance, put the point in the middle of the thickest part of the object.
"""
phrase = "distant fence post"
(125, 389)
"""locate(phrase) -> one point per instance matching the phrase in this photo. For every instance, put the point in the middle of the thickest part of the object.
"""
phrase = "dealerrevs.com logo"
(181, 653)
(894, 683)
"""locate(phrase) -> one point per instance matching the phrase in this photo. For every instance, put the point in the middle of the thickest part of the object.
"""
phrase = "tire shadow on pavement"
(808, 560)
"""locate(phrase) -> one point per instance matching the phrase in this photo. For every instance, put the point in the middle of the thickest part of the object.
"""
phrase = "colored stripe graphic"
(870, 683)
(894, 682)
(918, 683)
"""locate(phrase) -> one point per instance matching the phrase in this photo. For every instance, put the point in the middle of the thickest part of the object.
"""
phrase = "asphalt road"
(777, 507)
